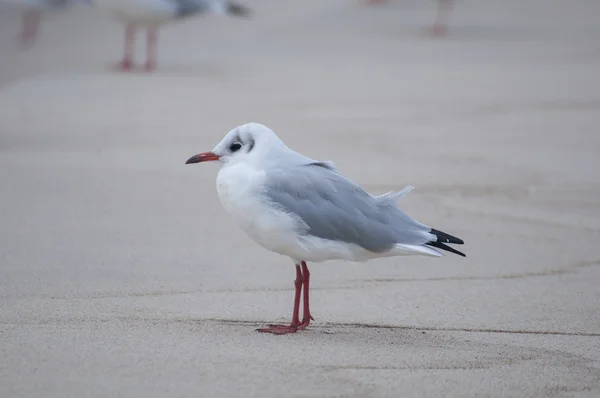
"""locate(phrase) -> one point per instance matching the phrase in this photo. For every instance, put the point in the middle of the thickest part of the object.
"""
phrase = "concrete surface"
(121, 275)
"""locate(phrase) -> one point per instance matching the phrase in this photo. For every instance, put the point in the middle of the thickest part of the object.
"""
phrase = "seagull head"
(245, 143)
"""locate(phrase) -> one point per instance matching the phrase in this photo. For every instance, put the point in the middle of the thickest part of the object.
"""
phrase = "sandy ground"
(121, 275)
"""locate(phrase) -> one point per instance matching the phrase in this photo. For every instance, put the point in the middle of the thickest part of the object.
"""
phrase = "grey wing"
(58, 4)
(334, 208)
(189, 7)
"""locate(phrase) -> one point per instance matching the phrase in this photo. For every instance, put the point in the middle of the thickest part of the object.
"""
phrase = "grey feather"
(186, 8)
(333, 207)
(58, 4)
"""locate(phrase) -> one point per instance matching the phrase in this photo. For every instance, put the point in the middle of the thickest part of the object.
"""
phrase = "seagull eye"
(235, 146)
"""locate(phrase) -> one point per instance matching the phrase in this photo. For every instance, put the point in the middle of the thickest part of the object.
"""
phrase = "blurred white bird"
(32, 14)
(150, 14)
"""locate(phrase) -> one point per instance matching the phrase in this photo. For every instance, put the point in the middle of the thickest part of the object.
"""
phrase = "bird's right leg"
(307, 317)
(30, 26)
(151, 48)
(127, 62)
(293, 327)
(440, 26)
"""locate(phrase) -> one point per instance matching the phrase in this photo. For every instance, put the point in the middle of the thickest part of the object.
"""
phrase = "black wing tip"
(443, 238)
(442, 246)
(446, 238)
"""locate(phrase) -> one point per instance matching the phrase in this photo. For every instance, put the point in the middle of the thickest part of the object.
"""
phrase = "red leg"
(31, 24)
(127, 62)
(306, 318)
(440, 26)
(151, 48)
(293, 327)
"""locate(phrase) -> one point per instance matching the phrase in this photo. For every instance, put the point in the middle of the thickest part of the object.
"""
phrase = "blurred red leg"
(127, 62)
(30, 26)
(440, 26)
(151, 48)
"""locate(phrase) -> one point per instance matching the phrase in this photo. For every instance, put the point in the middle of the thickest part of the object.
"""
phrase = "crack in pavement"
(419, 328)
(321, 327)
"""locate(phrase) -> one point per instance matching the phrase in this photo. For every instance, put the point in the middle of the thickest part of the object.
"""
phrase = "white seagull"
(150, 14)
(306, 210)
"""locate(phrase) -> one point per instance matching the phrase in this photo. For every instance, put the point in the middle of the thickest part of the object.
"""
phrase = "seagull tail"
(442, 239)
(407, 250)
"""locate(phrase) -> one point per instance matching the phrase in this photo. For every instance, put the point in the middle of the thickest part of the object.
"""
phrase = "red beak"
(202, 157)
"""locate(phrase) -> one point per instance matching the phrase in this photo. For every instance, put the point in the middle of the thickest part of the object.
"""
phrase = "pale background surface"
(121, 275)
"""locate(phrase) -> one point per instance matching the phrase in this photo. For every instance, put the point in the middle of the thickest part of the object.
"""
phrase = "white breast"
(139, 12)
(240, 190)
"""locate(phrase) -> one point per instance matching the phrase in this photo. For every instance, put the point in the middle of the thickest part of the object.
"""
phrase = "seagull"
(32, 14)
(150, 14)
(306, 210)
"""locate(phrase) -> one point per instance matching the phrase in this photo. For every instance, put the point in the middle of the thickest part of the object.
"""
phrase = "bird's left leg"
(306, 318)
(30, 26)
(127, 63)
(151, 50)
(440, 26)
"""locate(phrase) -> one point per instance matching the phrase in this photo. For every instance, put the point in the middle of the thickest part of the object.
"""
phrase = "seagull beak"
(202, 157)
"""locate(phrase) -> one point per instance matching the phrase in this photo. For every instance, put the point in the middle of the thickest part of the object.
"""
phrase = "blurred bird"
(32, 15)
(150, 14)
